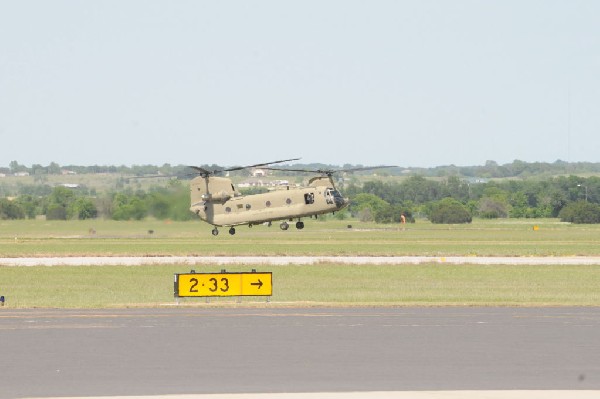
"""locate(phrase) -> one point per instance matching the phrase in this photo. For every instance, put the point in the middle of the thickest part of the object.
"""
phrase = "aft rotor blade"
(201, 170)
(258, 165)
(205, 172)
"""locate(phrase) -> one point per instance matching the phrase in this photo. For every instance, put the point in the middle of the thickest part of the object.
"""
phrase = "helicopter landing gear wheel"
(232, 231)
(299, 225)
(215, 232)
(284, 226)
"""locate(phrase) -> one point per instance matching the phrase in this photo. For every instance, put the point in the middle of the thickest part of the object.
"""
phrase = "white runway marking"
(300, 260)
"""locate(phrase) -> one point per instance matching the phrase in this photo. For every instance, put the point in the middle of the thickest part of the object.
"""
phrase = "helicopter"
(216, 200)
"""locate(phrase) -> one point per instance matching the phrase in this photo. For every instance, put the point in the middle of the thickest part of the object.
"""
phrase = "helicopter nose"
(341, 202)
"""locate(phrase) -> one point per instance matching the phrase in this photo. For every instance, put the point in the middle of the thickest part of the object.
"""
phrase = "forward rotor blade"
(332, 171)
(151, 176)
(366, 168)
(295, 170)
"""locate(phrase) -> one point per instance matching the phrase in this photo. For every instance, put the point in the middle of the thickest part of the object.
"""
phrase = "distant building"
(255, 182)
(22, 174)
(477, 180)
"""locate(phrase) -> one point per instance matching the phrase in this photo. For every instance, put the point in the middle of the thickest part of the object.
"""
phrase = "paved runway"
(52, 353)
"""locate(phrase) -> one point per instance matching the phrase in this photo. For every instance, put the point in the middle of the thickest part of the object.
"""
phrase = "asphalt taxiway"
(183, 351)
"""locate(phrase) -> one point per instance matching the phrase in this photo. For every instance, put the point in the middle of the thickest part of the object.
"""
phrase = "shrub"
(449, 211)
(11, 210)
(580, 212)
(56, 212)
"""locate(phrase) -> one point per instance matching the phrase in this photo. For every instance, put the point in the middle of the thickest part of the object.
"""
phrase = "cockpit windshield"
(333, 196)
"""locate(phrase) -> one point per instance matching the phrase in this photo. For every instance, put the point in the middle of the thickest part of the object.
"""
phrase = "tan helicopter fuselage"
(216, 201)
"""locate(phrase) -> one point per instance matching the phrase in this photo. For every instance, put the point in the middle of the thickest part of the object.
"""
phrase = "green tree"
(54, 168)
(32, 205)
(159, 205)
(85, 208)
(519, 206)
(15, 167)
(492, 208)
(580, 212)
(128, 207)
(363, 202)
(11, 210)
(457, 188)
(60, 204)
(180, 203)
(391, 214)
(56, 212)
(449, 211)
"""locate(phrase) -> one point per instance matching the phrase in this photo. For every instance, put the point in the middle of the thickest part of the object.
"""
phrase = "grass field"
(320, 285)
(423, 285)
(481, 238)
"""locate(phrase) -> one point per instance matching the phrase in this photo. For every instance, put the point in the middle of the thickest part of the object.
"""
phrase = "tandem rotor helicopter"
(217, 202)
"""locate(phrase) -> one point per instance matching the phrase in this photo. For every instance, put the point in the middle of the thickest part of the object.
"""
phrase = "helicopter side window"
(328, 196)
(309, 198)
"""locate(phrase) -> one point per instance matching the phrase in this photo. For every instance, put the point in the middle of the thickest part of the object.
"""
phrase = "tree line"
(490, 169)
(446, 200)
(456, 200)
(64, 203)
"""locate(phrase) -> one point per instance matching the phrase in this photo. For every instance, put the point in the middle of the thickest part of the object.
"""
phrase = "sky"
(419, 83)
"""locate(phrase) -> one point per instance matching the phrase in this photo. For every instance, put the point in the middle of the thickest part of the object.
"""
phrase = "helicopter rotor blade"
(330, 172)
(205, 172)
(151, 176)
(294, 170)
(201, 170)
(366, 168)
(257, 165)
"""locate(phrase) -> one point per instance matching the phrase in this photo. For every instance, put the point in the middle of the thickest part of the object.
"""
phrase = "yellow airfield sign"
(223, 284)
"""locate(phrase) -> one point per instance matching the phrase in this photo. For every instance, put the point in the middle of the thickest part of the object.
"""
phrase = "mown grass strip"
(156, 238)
(422, 285)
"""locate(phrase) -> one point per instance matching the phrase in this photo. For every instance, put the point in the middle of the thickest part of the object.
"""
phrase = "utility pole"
(585, 187)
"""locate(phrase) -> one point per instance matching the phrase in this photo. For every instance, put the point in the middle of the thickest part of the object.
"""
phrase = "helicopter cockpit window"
(309, 198)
